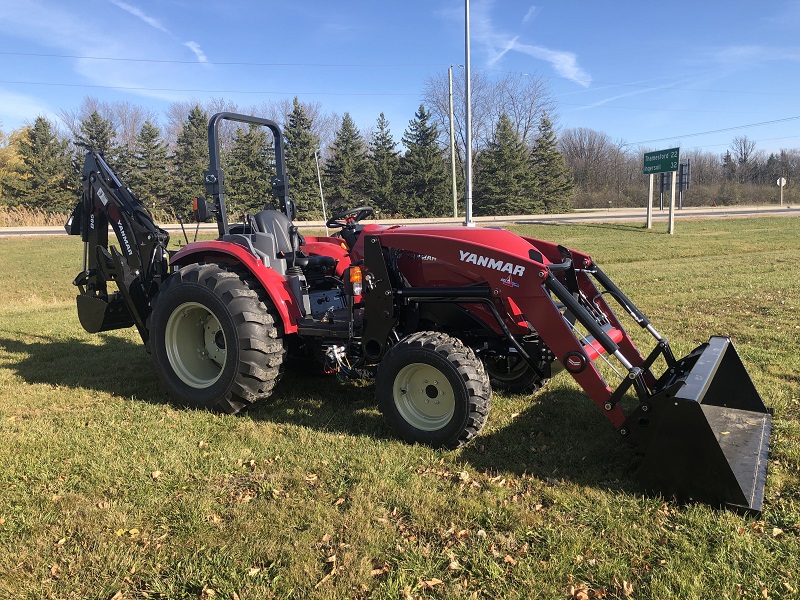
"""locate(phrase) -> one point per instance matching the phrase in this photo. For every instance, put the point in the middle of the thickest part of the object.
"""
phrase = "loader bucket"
(705, 432)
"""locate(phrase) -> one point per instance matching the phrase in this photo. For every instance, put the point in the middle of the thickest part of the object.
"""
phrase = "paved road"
(582, 216)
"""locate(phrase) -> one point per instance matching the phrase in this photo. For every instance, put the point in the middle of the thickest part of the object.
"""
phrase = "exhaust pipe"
(705, 431)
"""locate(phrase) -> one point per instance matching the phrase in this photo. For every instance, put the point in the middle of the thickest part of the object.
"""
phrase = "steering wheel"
(350, 217)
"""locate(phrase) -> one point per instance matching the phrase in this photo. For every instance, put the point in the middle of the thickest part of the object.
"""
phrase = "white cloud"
(497, 44)
(139, 14)
(531, 14)
(17, 109)
(198, 52)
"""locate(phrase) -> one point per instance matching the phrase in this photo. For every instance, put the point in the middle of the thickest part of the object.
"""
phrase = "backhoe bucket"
(705, 432)
(97, 314)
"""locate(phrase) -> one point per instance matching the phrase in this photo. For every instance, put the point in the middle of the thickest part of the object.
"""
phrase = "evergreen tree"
(301, 143)
(97, 133)
(504, 182)
(384, 166)
(252, 165)
(553, 183)
(423, 169)
(47, 181)
(191, 160)
(11, 167)
(149, 175)
(347, 171)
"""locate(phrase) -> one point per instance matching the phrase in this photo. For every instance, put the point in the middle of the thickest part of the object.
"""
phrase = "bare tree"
(706, 167)
(523, 98)
(126, 118)
(590, 155)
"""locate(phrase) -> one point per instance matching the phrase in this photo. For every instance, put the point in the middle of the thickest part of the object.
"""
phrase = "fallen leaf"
(254, 571)
(155, 474)
(453, 566)
(119, 532)
(235, 596)
(54, 571)
(509, 560)
(117, 596)
(339, 502)
(776, 531)
(579, 592)
(627, 588)
(432, 583)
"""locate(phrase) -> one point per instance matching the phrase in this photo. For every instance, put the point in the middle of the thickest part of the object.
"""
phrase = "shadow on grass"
(562, 435)
(116, 366)
(123, 368)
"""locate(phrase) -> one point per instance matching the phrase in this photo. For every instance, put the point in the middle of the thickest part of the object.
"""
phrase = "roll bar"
(215, 178)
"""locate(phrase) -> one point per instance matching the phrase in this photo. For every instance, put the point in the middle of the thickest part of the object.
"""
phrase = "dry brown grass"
(19, 216)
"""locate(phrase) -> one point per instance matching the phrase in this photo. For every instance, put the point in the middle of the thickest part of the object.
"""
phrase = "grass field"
(109, 492)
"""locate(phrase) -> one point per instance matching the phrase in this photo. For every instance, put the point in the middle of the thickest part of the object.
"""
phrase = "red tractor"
(441, 314)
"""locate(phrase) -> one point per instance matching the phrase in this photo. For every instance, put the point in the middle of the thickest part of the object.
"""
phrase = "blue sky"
(637, 71)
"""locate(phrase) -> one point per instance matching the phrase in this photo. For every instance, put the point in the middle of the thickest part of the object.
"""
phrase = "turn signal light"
(357, 279)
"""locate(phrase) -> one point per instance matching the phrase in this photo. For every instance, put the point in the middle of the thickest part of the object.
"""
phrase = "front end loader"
(438, 315)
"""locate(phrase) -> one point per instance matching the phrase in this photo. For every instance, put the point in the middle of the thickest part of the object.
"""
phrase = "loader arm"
(701, 426)
(137, 268)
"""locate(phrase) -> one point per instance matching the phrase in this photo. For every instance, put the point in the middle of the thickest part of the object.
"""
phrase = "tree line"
(522, 165)
(39, 165)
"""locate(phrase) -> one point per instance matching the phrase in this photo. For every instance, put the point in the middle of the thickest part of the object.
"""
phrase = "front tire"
(512, 374)
(215, 338)
(433, 390)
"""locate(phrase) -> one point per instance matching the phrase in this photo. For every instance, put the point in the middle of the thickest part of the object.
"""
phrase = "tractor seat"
(278, 224)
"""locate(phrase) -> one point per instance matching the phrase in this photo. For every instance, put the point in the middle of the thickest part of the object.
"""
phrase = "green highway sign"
(662, 161)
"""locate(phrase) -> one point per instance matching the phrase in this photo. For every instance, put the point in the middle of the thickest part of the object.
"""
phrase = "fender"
(274, 284)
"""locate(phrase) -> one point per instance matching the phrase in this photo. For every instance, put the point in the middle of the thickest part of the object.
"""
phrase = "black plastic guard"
(96, 314)
(705, 433)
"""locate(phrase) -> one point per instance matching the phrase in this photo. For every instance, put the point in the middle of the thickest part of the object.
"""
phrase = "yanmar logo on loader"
(491, 263)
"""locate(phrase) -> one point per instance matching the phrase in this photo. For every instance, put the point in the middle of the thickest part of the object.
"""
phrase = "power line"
(151, 89)
(379, 66)
(223, 63)
(734, 128)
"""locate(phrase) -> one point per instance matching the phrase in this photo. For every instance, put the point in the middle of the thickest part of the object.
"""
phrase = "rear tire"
(215, 338)
(433, 390)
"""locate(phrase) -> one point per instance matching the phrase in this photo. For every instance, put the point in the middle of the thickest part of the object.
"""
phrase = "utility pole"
(321, 195)
(468, 101)
(452, 145)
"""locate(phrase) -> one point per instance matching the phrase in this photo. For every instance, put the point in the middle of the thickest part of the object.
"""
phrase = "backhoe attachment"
(137, 270)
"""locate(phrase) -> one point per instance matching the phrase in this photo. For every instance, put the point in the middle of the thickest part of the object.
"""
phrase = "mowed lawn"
(108, 491)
